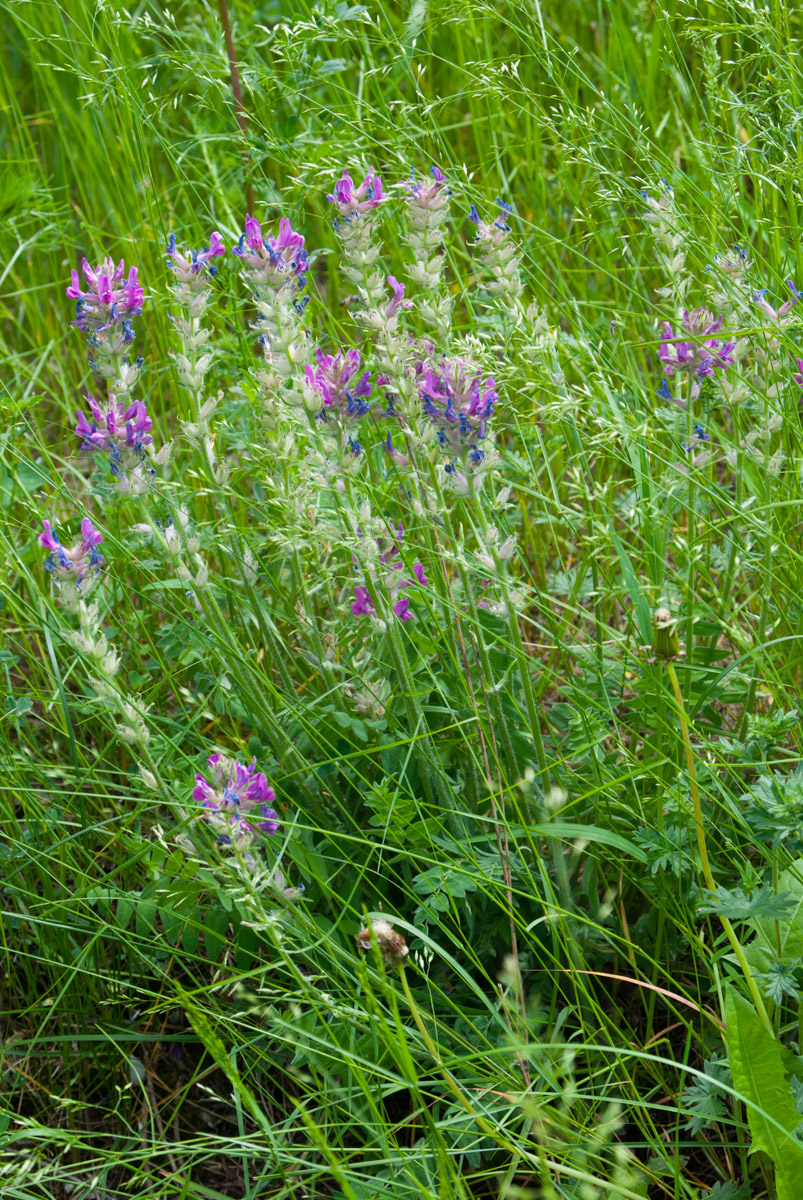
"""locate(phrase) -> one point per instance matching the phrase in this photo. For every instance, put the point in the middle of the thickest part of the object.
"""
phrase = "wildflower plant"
(401, 655)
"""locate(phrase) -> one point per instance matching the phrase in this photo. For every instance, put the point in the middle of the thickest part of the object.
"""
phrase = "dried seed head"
(665, 643)
(392, 944)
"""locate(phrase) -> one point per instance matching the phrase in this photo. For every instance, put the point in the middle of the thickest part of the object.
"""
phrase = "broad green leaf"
(758, 1067)
(589, 833)
(216, 923)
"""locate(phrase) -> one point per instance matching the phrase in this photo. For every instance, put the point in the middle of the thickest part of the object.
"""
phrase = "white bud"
(183, 572)
(491, 535)
(202, 578)
(110, 663)
(164, 454)
(508, 548)
(555, 799)
(503, 497)
(148, 778)
(143, 528)
(209, 406)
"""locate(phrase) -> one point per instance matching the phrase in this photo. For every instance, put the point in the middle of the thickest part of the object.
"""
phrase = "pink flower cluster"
(73, 564)
(352, 200)
(700, 357)
(237, 801)
(190, 268)
(395, 581)
(280, 260)
(111, 297)
(119, 426)
(335, 379)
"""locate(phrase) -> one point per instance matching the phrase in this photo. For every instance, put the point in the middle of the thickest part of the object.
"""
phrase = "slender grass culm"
(401, 631)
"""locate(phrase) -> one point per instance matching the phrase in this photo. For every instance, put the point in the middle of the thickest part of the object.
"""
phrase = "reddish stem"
(237, 92)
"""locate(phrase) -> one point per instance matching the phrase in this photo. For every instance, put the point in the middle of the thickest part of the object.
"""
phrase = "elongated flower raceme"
(276, 267)
(698, 358)
(342, 388)
(76, 563)
(111, 297)
(498, 251)
(459, 402)
(237, 801)
(278, 261)
(356, 200)
(190, 268)
(104, 311)
(358, 207)
(427, 212)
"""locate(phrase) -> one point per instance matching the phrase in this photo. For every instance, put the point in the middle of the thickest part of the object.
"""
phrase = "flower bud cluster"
(427, 214)
(276, 268)
(236, 803)
(498, 252)
(662, 218)
(76, 569)
(357, 206)
(105, 312)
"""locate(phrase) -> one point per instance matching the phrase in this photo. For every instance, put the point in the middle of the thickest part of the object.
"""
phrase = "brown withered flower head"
(392, 944)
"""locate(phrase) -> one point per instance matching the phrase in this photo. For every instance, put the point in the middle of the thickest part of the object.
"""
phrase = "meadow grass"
(588, 836)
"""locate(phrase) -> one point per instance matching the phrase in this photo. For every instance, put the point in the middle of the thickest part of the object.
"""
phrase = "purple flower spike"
(278, 261)
(425, 194)
(332, 381)
(351, 201)
(695, 358)
(237, 801)
(394, 580)
(74, 564)
(111, 297)
(189, 268)
(459, 402)
(119, 427)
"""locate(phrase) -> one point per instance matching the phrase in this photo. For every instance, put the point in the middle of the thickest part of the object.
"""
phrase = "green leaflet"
(764, 949)
(760, 1068)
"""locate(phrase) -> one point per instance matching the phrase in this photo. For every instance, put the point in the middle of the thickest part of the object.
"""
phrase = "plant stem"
(703, 850)
(237, 93)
